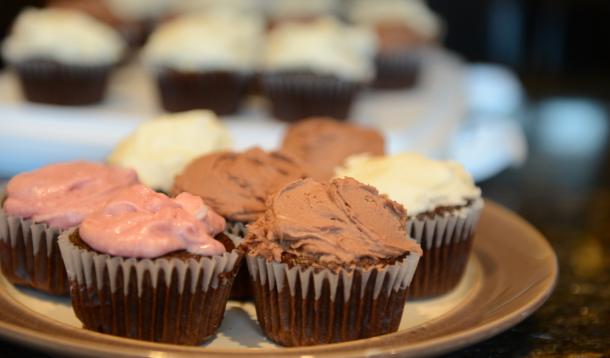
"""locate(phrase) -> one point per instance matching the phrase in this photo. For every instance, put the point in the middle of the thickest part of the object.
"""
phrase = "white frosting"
(66, 36)
(289, 9)
(252, 7)
(218, 41)
(418, 183)
(414, 13)
(161, 148)
(138, 9)
(324, 46)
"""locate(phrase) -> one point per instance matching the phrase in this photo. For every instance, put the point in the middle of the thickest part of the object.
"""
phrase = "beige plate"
(512, 272)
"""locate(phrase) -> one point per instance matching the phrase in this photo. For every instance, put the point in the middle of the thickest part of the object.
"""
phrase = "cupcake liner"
(298, 306)
(446, 241)
(219, 91)
(242, 289)
(396, 70)
(162, 300)
(54, 83)
(29, 254)
(296, 96)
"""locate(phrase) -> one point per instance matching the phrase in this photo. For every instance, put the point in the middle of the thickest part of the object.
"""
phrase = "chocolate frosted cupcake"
(236, 185)
(316, 68)
(323, 144)
(148, 267)
(38, 206)
(204, 61)
(403, 29)
(330, 263)
(62, 56)
(443, 205)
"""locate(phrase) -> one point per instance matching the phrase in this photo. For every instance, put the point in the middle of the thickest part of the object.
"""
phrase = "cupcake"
(443, 204)
(38, 206)
(316, 68)
(330, 262)
(204, 61)
(149, 267)
(159, 149)
(322, 144)
(137, 18)
(403, 28)
(236, 185)
(62, 56)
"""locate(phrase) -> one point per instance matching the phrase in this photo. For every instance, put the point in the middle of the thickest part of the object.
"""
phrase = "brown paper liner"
(397, 70)
(29, 255)
(242, 289)
(298, 95)
(50, 82)
(219, 91)
(446, 241)
(297, 306)
(163, 300)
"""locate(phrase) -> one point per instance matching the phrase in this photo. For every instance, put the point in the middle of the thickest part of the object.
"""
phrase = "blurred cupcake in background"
(62, 56)
(250, 7)
(323, 144)
(403, 28)
(299, 10)
(316, 68)
(204, 61)
(137, 17)
(160, 149)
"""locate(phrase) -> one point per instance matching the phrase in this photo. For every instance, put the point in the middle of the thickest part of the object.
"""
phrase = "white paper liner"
(441, 230)
(10, 226)
(279, 274)
(82, 264)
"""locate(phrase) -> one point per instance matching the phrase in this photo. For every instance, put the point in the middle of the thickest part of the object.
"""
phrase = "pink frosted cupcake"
(38, 206)
(150, 267)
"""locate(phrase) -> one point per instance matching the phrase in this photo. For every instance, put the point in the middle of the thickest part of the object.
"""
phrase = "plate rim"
(433, 346)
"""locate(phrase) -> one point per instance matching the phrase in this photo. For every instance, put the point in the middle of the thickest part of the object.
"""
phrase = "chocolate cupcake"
(403, 29)
(148, 267)
(204, 61)
(38, 206)
(62, 56)
(323, 144)
(443, 205)
(316, 68)
(330, 262)
(236, 185)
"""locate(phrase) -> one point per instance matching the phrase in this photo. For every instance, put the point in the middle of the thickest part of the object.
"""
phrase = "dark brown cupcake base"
(300, 95)
(396, 70)
(50, 82)
(219, 91)
(242, 288)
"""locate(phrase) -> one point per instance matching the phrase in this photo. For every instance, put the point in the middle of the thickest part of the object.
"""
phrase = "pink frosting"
(60, 195)
(139, 222)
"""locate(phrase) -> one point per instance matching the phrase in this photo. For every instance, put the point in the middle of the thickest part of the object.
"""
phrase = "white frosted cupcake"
(316, 68)
(443, 205)
(204, 61)
(62, 56)
(159, 149)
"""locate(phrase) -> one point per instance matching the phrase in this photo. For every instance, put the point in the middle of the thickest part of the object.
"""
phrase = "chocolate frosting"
(338, 224)
(323, 144)
(236, 185)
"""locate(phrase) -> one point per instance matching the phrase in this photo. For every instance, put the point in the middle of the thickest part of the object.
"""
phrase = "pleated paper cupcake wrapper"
(54, 83)
(218, 91)
(397, 70)
(298, 306)
(295, 97)
(242, 289)
(446, 241)
(162, 300)
(29, 254)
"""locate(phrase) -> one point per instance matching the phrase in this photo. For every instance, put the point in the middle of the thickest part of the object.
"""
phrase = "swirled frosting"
(161, 148)
(322, 144)
(60, 195)
(334, 224)
(324, 47)
(139, 222)
(418, 183)
(236, 185)
(63, 35)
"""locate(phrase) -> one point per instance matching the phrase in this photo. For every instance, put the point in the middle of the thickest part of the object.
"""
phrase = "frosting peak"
(139, 222)
(341, 223)
(60, 195)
